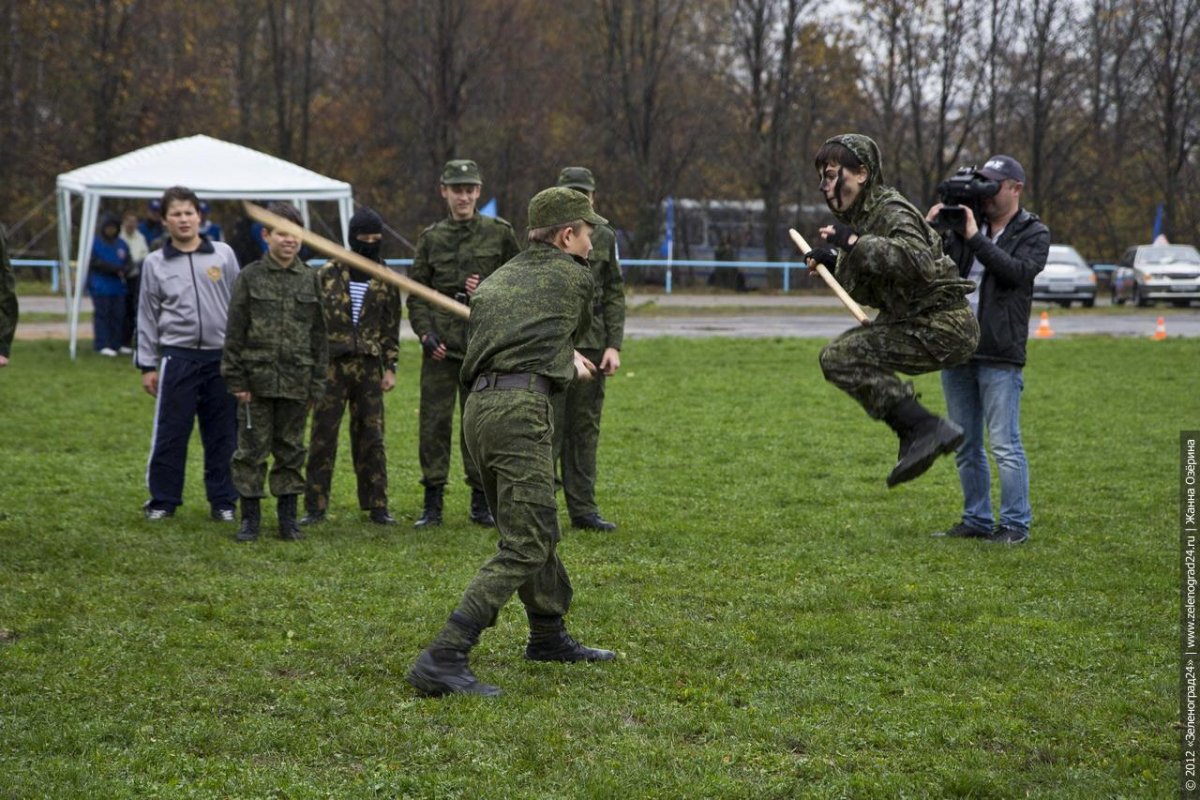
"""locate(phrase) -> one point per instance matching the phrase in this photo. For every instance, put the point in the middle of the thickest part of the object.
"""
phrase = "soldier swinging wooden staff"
(885, 255)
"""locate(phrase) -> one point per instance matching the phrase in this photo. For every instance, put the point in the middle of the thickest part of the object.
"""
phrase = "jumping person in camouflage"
(524, 321)
(889, 257)
(362, 315)
(577, 410)
(452, 257)
(274, 364)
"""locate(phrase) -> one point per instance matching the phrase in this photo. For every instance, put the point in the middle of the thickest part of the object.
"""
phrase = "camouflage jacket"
(8, 299)
(608, 302)
(448, 252)
(528, 315)
(378, 330)
(275, 343)
(897, 265)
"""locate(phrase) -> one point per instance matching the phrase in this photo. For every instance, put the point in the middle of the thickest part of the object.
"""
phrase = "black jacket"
(1006, 294)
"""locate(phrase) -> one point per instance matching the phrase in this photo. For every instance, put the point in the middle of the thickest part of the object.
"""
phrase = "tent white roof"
(210, 167)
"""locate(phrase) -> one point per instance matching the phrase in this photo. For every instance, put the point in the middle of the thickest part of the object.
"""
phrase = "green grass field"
(786, 625)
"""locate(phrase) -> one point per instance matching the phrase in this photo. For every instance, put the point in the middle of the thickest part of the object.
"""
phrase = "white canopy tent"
(212, 168)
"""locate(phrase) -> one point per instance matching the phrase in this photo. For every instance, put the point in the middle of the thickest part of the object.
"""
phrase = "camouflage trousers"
(353, 379)
(577, 435)
(862, 362)
(271, 426)
(440, 384)
(510, 436)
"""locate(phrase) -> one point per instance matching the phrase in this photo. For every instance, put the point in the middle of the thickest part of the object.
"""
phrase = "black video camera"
(964, 188)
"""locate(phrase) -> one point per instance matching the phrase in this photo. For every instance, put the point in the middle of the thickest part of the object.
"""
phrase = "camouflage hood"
(874, 192)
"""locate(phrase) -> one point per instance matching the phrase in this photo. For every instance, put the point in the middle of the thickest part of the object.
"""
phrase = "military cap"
(461, 170)
(559, 205)
(577, 178)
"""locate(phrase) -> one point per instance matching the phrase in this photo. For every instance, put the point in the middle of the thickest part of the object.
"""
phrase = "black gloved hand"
(430, 342)
(841, 236)
(822, 255)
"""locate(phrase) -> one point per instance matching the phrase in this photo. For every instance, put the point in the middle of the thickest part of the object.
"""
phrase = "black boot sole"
(944, 440)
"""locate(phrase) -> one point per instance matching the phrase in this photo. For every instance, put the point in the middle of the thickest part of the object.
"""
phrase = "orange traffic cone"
(1160, 330)
(1043, 330)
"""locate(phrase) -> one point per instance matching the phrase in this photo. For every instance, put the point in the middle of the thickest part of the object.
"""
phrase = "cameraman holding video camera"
(1000, 247)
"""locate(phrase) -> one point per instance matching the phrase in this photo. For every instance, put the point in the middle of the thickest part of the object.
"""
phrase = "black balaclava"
(365, 221)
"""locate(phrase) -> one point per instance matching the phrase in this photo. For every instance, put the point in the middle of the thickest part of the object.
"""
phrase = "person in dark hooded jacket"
(888, 257)
(106, 285)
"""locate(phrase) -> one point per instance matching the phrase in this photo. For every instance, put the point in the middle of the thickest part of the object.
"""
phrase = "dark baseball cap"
(461, 170)
(577, 178)
(559, 205)
(1003, 168)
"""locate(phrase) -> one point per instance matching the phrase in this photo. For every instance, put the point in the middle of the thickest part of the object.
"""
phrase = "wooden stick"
(334, 250)
(854, 308)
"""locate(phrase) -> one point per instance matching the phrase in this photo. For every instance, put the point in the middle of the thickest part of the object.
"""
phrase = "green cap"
(577, 178)
(461, 170)
(559, 205)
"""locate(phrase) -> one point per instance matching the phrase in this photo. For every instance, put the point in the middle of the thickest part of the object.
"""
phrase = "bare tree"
(647, 120)
(1173, 53)
(765, 34)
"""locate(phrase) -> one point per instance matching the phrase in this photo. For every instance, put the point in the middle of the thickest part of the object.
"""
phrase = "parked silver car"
(1067, 278)
(1151, 272)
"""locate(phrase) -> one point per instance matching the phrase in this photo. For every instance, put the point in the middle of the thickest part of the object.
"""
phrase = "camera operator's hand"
(972, 227)
(840, 235)
(434, 347)
(826, 256)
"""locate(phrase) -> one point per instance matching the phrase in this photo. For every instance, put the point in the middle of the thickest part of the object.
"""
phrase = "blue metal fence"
(786, 266)
(669, 266)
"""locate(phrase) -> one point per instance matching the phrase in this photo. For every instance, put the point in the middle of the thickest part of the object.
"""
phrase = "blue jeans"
(979, 393)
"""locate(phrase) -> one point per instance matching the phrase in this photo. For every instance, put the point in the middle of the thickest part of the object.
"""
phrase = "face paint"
(836, 200)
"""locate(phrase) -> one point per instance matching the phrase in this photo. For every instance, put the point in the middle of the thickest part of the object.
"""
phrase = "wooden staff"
(334, 250)
(854, 308)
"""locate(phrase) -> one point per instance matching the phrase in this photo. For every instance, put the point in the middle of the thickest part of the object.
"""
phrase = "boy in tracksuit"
(274, 363)
(184, 297)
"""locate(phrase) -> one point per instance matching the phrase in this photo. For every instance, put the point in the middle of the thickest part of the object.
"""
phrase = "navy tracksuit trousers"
(190, 387)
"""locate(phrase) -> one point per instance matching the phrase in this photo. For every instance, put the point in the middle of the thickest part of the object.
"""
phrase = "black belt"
(515, 380)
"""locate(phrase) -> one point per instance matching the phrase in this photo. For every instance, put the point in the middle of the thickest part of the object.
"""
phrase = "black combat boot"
(923, 437)
(480, 514)
(251, 515)
(288, 529)
(442, 667)
(433, 507)
(313, 517)
(549, 641)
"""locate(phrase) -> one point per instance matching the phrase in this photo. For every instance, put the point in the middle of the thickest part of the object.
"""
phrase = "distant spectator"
(106, 285)
(208, 229)
(152, 225)
(247, 241)
(139, 248)
(8, 302)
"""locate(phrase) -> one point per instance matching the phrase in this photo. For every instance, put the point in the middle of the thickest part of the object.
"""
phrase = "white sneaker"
(108, 352)
(125, 351)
